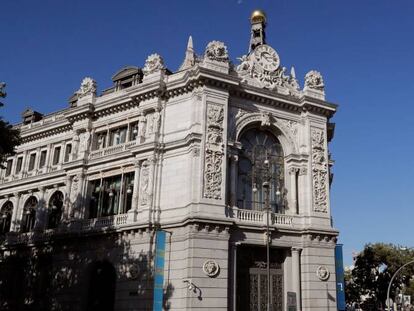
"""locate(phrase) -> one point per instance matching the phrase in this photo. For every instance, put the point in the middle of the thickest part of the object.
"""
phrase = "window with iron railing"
(261, 160)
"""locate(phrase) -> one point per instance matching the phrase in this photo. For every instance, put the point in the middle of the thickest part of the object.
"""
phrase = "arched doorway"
(101, 286)
(55, 210)
(5, 217)
(29, 214)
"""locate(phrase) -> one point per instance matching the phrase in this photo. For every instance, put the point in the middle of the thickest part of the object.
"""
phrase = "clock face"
(266, 58)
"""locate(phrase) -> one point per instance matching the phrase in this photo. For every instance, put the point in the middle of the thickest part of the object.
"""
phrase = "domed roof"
(258, 16)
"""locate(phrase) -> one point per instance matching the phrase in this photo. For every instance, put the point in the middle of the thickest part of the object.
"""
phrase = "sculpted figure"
(314, 80)
(142, 120)
(156, 121)
(153, 64)
(84, 141)
(217, 51)
(87, 87)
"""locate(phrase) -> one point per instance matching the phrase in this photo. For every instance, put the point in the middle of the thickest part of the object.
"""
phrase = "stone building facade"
(205, 153)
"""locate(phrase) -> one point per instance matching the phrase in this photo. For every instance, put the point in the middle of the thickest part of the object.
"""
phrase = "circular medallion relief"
(323, 273)
(266, 58)
(211, 268)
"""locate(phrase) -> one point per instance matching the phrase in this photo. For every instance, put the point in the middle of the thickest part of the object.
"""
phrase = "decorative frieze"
(319, 171)
(213, 171)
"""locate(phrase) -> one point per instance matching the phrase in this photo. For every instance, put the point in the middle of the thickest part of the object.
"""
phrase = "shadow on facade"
(98, 271)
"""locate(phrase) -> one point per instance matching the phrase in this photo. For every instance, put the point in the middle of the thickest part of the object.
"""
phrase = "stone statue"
(154, 63)
(314, 81)
(84, 141)
(156, 119)
(142, 120)
(245, 65)
(87, 87)
(216, 51)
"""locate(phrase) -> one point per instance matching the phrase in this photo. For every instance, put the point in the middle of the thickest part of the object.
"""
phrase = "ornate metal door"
(258, 287)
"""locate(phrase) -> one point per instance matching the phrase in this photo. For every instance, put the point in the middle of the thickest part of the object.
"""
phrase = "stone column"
(81, 196)
(233, 182)
(41, 210)
(142, 121)
(294, 204)
(296, 275)
(16, 207)
(37, 160)
(132, 213)
(48, 157)
(68, 187)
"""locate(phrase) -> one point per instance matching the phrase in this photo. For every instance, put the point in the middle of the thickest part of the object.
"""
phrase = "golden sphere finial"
(258, 16)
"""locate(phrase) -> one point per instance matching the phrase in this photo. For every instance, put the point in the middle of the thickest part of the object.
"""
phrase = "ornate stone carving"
(265, 119)
(87, 87)
(292, 126)
(156, 121)
(142, 121)
(217, 51)
(154, 63)
(263, 67)
(323, 273)
(314, 81)
(213, 161)
(319, 171)
(211, 268)
(145, 182)
(240, 113)
(213, 174)
(74, 188)
(84, 141)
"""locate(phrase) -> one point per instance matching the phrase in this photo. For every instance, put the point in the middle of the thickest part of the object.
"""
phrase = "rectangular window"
(133, 133)
(118, 136)
(111, 195)
(32, 161)
(42, 158)
(100, 140)
(19, 165)
(68, 151)
(9, 167)
(56, 155)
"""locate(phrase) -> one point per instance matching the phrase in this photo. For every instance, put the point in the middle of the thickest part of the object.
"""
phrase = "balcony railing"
(111, 150)
(259, 217)
(102, 222)
(72, 227)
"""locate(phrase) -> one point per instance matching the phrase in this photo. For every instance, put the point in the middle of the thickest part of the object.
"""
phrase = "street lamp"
(392, 279)
(267, 208)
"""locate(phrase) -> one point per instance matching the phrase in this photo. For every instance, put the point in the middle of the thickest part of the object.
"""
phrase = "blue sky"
(364, 49)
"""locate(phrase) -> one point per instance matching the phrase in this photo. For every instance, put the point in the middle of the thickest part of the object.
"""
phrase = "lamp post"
(392, 279)
(267, 208)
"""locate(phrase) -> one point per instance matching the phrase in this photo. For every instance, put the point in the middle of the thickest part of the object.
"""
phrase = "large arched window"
(29, 214)
(261, 162)
(55, 210)
(5, 217)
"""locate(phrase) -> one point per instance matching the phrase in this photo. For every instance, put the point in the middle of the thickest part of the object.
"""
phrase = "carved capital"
(293, 170)
(303, 171)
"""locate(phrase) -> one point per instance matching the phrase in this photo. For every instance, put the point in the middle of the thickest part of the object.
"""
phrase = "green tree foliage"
(367, 282)
(9, 137)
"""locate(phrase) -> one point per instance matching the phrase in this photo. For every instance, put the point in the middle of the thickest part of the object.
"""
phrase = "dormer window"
(127, 77)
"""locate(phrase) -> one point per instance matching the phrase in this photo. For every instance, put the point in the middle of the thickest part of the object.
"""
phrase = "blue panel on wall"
(159, 270)
(340, 283)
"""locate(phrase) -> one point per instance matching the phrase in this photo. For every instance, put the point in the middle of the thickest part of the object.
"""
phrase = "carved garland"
(213, 172)
(319, 171)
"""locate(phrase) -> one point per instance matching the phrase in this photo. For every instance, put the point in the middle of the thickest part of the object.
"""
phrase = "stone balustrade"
(111, 150)
(259, 217)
